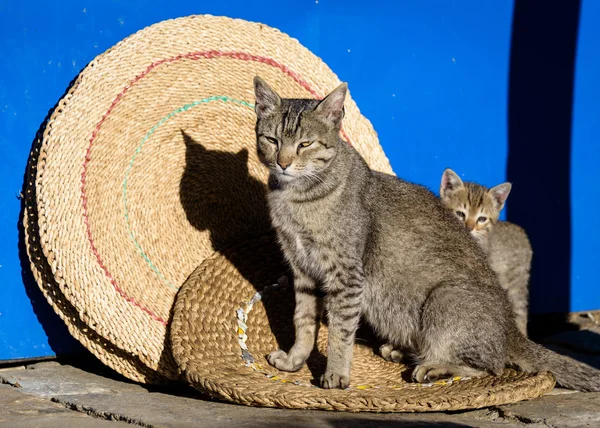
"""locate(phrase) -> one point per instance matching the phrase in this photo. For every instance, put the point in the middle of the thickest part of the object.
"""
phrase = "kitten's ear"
(499, 194)
(267, 99)
(450, 182)
(331, 108)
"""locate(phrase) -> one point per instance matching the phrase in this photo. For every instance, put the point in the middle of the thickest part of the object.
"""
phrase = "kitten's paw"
(388, 353)
(332, 380)
(281, 360)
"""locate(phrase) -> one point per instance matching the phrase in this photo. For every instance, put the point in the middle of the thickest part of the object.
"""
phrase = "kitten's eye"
(482, 219)
(272, 140)
(460, 214)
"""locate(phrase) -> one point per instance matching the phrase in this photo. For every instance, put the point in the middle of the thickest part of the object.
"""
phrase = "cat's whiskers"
(313, 176)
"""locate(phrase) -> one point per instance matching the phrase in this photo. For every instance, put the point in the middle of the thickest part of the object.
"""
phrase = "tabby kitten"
(508, 248)
(379, 247)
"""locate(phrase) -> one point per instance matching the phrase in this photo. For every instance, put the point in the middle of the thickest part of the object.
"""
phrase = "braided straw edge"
(528, 389)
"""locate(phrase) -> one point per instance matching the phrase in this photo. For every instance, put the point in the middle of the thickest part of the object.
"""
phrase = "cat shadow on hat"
(219, 195)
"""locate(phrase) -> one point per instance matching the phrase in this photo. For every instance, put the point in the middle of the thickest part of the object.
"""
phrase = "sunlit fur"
(296, 142)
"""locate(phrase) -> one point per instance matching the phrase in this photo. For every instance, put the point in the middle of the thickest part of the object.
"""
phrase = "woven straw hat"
(228, 316)
(147, 166)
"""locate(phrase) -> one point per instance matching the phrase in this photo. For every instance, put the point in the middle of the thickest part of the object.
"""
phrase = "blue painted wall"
(585, 164)
(432, 76)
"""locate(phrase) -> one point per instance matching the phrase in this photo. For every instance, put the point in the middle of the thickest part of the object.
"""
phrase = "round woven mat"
(221, 333)
(148, 165)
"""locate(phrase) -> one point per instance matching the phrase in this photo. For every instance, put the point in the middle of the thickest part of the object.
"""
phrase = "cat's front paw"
(282, 361)
(332, 380)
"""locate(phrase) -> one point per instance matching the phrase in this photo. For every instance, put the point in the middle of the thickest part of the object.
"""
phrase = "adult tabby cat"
(506, 244)
(377, 246)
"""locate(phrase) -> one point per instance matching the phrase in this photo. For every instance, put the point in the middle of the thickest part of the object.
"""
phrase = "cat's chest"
(303, 250)
(299, 228)
(304, 238)
(298, 217)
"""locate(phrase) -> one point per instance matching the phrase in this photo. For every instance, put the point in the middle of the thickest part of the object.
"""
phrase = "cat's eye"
(272, 140)
(481, 219)
(460, 214)
(304, 144)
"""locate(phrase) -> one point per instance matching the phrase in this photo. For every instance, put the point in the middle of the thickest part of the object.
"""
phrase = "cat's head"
(297, 138)
(476, 206)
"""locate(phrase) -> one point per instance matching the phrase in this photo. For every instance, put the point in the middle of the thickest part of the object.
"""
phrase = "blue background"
(432, 76)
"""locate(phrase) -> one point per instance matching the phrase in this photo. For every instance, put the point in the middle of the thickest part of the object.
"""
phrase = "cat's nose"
(283, 164)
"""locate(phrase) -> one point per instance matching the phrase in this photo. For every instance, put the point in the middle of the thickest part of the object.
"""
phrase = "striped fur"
(377, 247)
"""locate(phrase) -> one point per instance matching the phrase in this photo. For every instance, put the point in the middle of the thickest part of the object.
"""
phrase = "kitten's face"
(297, 138)
(474, 205)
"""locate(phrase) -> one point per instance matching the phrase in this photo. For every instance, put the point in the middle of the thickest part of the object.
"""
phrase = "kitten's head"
(476, 206)
(297, 138)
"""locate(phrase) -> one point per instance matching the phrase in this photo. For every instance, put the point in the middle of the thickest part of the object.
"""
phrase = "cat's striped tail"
(569, 373)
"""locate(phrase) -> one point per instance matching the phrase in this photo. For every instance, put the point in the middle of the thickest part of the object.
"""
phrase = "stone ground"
(85, 394)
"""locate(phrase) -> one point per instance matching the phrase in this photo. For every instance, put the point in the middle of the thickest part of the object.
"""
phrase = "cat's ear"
(267, 100)
(190, 143)
(499, 194)
(242, 155)
(331, 108)
(450, 182)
